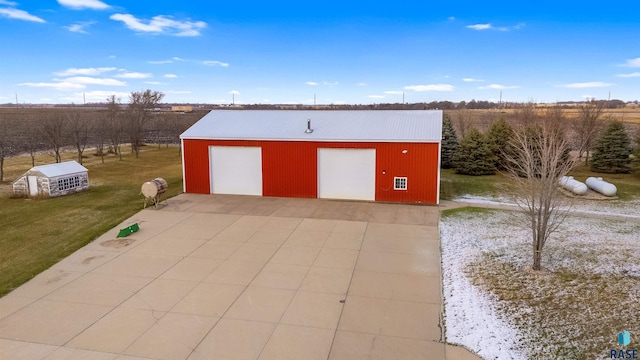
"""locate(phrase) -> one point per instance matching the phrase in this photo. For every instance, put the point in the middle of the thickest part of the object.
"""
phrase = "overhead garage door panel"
(236, 170)
(347, 174)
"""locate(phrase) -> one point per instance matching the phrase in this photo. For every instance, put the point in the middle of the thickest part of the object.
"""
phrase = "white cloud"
(584, 85)
(479, 27)
(451, 18)
(178, 92)
(79, 27)
(171, 76)
(154, 83)
(84, 71)
(488, 26)
(234, 92)
(86, 80)
(394, 92)
(160, 62)
(62, 85)
(632, 62)
(215, 63)
(161, 25)
(84, 4)
(497, 87)
(134, 75)
(311, 83)
(361, 84)
(8, 3)
(20, 15)
(330, 83)
(472, 80)
(632, 75)
(434, 87)
(376, 96)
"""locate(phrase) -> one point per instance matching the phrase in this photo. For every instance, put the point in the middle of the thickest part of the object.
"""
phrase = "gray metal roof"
(327, 125)
(60, 169)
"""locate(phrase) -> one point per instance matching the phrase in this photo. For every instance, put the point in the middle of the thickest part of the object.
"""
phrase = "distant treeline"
(441, 105)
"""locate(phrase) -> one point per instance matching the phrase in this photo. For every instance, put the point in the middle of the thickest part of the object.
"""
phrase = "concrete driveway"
(237, 277)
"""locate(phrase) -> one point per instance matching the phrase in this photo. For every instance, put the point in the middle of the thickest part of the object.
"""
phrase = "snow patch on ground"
(474, 317)
(471, 319)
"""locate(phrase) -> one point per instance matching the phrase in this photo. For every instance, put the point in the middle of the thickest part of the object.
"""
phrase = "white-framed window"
(67, 183)
(399, 183)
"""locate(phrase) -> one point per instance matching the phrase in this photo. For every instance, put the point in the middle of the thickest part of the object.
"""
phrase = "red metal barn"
(384, 155)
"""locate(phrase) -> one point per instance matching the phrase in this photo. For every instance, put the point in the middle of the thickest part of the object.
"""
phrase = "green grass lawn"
(453, 185)
(35, 234)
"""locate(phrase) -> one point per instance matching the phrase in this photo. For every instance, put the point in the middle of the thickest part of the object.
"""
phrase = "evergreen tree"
(449, 143)
(499, 136)
(612, 150)
(474, 155)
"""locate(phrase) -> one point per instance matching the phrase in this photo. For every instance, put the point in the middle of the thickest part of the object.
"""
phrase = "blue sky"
(341, 52)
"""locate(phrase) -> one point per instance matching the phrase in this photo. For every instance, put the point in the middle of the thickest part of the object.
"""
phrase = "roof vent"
(309, 129)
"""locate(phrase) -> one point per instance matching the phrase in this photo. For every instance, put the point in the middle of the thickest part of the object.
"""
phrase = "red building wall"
(290, 168)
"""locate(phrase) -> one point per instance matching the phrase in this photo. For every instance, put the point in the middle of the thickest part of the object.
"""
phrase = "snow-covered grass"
(497, 307)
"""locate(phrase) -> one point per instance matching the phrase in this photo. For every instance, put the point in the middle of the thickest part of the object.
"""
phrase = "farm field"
(38, 233)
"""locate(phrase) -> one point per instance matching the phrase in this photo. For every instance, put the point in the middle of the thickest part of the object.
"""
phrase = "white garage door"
(236, 170)
(347, 174)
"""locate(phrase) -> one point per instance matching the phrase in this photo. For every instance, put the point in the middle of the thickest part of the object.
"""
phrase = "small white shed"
(52, 180)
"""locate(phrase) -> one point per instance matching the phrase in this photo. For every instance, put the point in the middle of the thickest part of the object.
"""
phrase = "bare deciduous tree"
(140, 104)
(587, 126)
(526, 113)
(538, 159)
(114, 124)
(5, 143)
(31, 141)
(463, 122)
(79, 129)
(53, 132)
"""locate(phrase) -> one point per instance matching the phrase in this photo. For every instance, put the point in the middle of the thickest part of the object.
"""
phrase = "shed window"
(67, 183)
(399, 183)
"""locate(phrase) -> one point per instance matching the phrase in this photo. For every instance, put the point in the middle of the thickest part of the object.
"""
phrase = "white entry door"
(33, 185)
(347, 174)
(236, 170)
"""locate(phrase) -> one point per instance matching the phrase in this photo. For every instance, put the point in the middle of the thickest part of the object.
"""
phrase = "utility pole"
(17, 106)
(233, 98)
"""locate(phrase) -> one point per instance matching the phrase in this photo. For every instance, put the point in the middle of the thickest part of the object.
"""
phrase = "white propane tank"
(601, 186)
(575, 186)
(152, 191)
